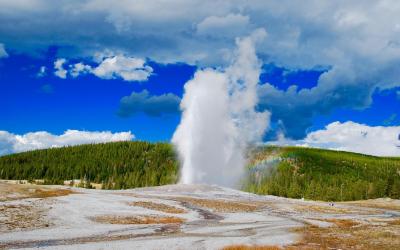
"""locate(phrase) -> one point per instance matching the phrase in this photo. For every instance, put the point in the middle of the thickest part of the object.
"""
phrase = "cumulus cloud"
(154, 105)
(79, 68)
(353, 137)
(12, 143)
(3, 52)
(119, 66)
(59, 68)
(127, 68)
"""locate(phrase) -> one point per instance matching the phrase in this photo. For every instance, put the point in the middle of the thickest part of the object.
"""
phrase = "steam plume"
(219, 118)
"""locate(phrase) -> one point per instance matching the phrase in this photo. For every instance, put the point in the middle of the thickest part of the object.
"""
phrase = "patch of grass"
(46, 193)
(322, 209)
(23, 191)
(21, 217)
(394, 222)
(348, 234)
(342, 223)
(222, 206)
(138, 219)
(391, 204)
(246, 247)
(158, 207)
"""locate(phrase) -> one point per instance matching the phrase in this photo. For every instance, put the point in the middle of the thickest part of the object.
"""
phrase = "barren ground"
(188, 217)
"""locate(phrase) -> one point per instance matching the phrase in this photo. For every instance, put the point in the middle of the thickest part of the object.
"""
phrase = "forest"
(317, 174)
(117, 165)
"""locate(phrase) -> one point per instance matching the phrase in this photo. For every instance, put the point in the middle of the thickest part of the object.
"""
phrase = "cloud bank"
(353, 137)
(12, 143)
(302, 34)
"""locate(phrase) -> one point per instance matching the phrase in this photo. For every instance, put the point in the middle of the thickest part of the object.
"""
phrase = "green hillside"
(116, 165)
(290, 171)
(318, 174)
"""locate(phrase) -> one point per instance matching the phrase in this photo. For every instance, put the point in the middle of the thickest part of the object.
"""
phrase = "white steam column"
(219, 119)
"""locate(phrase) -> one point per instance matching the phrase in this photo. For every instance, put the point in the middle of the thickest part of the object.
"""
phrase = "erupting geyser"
(219, 119)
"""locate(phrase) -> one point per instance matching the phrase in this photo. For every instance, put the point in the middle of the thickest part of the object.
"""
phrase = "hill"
(318, 174)
(294, 172)
(116, 165)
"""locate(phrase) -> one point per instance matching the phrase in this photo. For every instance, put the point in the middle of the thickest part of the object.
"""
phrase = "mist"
(219, 120)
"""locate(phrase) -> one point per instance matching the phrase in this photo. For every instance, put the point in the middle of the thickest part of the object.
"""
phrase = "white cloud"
(353, 137)
(3, 52)
(59, 67)
(12, 143)
(127, 68)
(111, 67)
(79, 68)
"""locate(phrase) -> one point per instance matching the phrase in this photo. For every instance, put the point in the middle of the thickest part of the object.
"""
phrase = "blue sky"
(124, 65)
(49, 103)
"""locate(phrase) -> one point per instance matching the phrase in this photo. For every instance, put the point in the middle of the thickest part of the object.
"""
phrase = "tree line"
(293, 172)
(318, 174)
(117, 165)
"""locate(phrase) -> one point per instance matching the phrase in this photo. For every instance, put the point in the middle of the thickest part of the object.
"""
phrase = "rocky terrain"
(188, 216)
